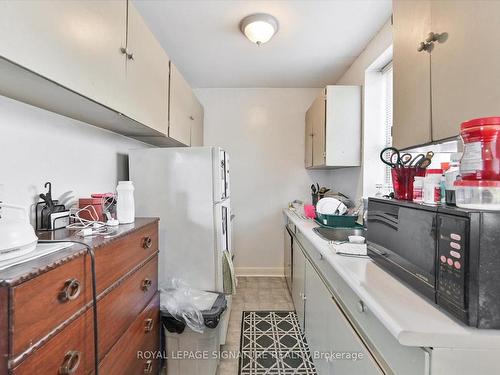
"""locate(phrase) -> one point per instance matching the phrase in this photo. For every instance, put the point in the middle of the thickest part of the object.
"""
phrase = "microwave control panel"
(452, 243)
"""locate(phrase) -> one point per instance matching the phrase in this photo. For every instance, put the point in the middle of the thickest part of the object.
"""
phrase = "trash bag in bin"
(181, 306)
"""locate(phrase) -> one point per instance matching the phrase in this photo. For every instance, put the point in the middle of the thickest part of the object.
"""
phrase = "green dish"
(337, 221)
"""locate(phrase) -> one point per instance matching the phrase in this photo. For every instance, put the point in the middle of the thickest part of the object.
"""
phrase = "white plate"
(328, 206)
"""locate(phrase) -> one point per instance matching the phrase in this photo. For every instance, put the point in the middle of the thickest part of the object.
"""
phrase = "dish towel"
(229, 278)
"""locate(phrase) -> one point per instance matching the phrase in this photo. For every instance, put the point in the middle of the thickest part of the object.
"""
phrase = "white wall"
(350, 180)
(38, 146)
(263, 131)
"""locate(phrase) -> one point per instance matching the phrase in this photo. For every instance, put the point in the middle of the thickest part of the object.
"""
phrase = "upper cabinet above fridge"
(445, 67)
(333, 129)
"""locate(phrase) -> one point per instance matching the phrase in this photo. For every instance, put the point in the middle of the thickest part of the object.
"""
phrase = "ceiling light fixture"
(259, 28)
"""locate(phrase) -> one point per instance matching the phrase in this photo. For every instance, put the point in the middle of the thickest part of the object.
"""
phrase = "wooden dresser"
(46, 314)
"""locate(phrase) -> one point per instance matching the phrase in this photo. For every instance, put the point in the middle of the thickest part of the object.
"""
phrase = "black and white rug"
(272, 343)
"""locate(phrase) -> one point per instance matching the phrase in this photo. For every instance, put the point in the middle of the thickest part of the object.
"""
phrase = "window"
(387, 117)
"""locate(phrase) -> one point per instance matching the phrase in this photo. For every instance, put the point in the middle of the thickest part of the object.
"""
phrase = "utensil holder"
(402, 181)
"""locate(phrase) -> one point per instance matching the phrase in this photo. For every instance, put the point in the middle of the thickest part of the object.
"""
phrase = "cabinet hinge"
(324, 154)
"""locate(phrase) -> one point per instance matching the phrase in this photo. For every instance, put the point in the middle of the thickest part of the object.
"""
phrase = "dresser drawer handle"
(70, 364)
(147, 242)
(146, 284)
(71, 290)
(149, 323)
(148, 367)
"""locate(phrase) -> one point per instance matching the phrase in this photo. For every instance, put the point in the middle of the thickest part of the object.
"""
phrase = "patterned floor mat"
(272, 343)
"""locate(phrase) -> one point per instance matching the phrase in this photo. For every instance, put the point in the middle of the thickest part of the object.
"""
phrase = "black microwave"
(448, 254)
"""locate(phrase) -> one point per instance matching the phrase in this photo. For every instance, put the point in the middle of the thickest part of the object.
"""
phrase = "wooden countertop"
(17, 274)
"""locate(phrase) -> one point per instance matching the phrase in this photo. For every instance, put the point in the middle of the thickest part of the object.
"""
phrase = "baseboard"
(260, 271)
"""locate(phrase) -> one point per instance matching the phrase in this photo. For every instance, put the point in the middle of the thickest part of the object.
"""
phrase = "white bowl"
(356, 239)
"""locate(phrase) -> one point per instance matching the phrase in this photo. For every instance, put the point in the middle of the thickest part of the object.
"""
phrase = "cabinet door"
(465, 66)
(73, 43)
(147, 75)
(287, 256)
(197, 123)
(181, 102)
(316, 315)
(412, 101)
(298, 272)
(328, 331)
(308, 157)
(318, 117)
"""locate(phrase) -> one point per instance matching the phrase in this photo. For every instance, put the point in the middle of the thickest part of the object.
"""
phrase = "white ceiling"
(316, 43)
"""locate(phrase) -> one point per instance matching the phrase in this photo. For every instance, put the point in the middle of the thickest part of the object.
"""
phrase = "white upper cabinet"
(333, 129)
(147, 75)
(73, 43)
(186, 113)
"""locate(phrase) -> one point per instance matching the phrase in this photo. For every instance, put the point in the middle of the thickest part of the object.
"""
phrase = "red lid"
(477, 183)
(480, 122)
(433, 171)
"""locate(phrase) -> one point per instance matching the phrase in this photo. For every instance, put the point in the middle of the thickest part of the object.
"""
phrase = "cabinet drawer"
(56, 295)
(116, 311)
(142, 336)
(401, 359)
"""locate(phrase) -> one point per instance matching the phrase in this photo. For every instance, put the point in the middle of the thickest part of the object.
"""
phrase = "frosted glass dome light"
(259, 28)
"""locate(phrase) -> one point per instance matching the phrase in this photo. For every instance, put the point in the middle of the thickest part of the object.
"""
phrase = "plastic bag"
(186, 304)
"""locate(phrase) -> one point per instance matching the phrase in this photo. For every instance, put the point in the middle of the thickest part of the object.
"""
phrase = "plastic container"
(481, 157)
(432, 186)
(179, 339)
(125, 204)
(478, 195)
(310, 211)
(418, 189)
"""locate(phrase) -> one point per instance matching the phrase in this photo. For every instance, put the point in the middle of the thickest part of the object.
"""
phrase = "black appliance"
(448, 254)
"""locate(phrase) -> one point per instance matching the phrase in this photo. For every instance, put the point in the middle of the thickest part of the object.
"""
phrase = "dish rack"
(337, 221)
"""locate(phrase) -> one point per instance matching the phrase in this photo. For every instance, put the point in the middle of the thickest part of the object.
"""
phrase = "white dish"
(328, 206)
(356, 239)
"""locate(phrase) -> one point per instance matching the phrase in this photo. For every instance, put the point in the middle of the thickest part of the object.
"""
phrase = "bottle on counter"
(432, 186)
(125, 204)
(451, 175)
(418, 189)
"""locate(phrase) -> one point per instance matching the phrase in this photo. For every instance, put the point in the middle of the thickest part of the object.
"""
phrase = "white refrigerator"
(188, 188)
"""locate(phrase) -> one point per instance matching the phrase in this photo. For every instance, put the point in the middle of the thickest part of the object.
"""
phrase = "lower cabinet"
(298, 281)
(335, 346)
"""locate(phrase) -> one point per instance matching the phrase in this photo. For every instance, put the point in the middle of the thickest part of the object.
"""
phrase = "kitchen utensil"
(394, 159)
(406, 159)
(48, 196)
(313, 189)
(17, 236)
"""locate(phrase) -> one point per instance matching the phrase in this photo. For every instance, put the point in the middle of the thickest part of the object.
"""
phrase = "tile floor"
(253, 294)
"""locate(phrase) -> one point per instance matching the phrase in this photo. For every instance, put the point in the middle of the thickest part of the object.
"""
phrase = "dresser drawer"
(119, 309)
(116, 311)
(143, 336)
(41, 304)
(55, 296)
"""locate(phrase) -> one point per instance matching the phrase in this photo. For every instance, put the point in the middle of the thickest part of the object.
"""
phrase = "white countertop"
(410, 318)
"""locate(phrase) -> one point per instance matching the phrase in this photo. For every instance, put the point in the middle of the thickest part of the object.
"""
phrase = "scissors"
(421, 161)
(395, 158)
